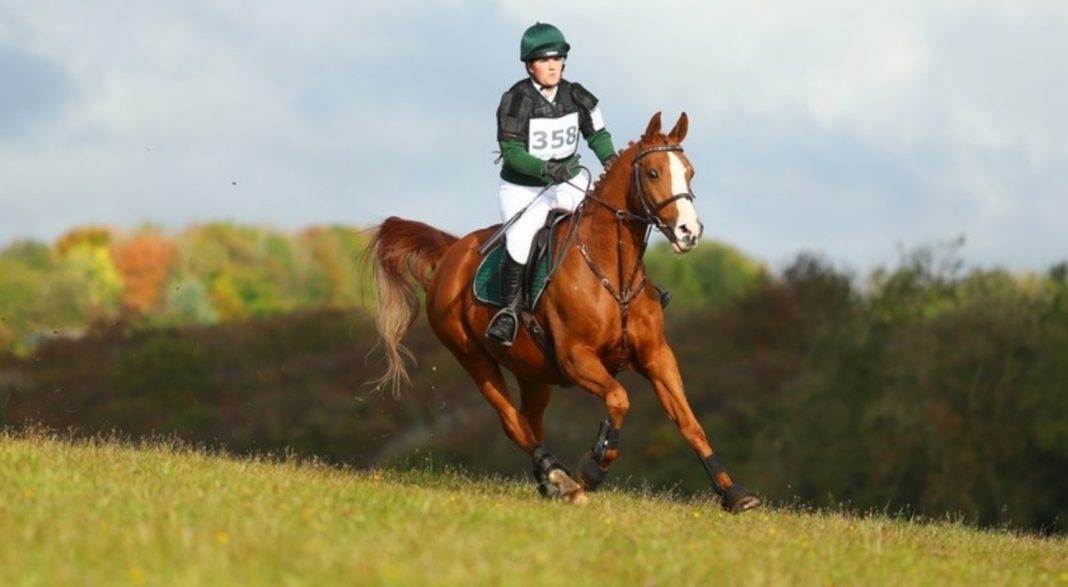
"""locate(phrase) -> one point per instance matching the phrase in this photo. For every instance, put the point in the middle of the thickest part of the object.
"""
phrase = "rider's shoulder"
(522, 87)
(581, 95)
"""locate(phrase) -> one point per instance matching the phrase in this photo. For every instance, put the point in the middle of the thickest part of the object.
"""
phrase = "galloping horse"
(600, 315)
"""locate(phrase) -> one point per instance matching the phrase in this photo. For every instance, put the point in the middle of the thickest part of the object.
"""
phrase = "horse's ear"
(679, 132)
(653, 129)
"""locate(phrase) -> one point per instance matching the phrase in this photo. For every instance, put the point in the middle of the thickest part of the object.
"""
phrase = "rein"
(628, 291)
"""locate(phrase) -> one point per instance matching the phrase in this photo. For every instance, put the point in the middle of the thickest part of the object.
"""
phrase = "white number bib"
(554, 138)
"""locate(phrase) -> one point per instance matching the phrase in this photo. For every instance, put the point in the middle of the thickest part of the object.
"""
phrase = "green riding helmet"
(542, 40)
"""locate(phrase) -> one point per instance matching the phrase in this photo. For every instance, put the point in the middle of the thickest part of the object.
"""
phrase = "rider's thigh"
(566, 197)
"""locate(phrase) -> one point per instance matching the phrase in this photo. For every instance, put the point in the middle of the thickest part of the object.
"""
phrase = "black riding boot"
(503, 326)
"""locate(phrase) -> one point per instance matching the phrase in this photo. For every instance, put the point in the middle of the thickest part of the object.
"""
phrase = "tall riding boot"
(503, 326)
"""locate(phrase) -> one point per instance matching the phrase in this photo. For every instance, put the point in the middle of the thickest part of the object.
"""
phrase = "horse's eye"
(652, 173)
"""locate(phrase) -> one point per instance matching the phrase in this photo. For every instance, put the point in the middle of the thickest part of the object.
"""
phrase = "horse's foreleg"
(663, 372)
(585, 368)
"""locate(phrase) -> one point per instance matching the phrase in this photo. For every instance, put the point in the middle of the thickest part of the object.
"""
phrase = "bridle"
(652, 212)
(628, 291)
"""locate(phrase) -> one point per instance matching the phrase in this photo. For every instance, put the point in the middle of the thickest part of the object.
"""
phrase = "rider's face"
(547, 70)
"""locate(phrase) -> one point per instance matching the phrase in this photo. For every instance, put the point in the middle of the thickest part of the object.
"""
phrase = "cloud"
(858, 124)
(35, 89)
(825, 125)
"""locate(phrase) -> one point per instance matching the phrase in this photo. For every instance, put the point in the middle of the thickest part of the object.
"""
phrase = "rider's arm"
(515, 156)
(600, 143)
(591, 123)
(513, 116)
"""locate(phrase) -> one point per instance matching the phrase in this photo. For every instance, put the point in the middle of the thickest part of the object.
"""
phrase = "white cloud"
(969, 82)
(829, 124)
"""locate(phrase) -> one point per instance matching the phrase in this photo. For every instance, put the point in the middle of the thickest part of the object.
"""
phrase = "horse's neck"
(602, 231)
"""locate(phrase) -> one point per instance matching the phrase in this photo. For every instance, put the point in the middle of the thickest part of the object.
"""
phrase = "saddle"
(487, 281)
(540, 267)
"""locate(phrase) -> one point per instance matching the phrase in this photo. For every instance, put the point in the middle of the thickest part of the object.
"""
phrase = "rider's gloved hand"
(558, 171)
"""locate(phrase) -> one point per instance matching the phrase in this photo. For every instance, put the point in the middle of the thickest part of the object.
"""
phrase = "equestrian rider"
(539, 122)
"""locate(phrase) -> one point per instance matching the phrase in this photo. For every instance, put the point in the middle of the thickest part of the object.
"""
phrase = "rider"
(538, 124)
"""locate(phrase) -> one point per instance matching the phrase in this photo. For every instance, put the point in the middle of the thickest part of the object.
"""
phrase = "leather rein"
(628, 291)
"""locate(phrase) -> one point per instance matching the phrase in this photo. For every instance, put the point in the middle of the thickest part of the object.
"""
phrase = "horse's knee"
(617, 402)
(692, 432)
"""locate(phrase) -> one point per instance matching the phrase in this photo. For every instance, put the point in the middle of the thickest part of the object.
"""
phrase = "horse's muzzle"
(687, 235)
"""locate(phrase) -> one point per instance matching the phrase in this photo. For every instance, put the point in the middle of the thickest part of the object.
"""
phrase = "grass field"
(104, 513)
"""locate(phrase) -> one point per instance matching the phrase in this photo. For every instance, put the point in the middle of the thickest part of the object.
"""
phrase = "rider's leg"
(503, 326)
(566, 196)
(513, 198)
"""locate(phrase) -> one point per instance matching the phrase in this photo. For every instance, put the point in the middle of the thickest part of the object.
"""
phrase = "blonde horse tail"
(405, 255)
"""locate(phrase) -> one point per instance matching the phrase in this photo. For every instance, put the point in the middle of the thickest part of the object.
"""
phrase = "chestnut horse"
(601, 315)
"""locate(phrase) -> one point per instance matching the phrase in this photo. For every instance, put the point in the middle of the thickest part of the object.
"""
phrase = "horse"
(599, 311)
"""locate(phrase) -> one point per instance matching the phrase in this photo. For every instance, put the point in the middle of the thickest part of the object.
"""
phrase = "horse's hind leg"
(535, 398)
(553, 479)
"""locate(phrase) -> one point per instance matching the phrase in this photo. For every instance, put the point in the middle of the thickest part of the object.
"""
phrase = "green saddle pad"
(488, 276)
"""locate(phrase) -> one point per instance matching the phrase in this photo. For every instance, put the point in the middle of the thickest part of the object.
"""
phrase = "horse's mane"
(631, 145)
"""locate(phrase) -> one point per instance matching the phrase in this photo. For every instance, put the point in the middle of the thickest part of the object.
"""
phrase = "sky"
(852, 130)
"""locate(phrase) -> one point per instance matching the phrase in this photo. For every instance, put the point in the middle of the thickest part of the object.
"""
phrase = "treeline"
(148, 278)
(221, 272)
(927, 389)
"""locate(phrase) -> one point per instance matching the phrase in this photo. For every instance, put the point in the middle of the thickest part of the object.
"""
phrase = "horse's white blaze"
(688, 226)
(678, 174)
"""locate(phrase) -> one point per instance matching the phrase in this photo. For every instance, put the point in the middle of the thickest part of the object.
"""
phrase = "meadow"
(104, 512)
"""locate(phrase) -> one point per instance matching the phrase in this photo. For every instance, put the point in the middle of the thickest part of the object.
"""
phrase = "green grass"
(104, 513)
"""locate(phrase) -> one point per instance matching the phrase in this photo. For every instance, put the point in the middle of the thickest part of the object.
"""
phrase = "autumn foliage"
(927, 389)
(149, 278)
(144, 262)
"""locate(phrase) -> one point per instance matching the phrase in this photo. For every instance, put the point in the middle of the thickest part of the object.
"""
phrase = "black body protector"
(550, 131)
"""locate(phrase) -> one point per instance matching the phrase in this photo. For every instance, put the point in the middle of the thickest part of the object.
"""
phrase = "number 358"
(558, 138)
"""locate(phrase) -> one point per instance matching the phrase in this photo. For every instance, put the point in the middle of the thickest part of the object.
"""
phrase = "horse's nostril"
(684, 229)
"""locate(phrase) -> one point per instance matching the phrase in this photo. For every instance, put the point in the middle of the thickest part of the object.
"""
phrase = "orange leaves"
(144, 263)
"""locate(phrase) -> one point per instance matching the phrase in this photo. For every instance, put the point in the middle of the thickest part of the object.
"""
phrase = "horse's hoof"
(590, 474)
(746, 503)
(737, 500)
(570, 491)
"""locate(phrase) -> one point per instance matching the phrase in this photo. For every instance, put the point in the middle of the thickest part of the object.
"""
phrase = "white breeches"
(513, 197)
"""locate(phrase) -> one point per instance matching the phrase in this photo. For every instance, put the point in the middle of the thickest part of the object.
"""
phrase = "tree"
(144, 263)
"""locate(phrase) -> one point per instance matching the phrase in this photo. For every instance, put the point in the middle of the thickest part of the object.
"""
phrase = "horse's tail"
(405, 254)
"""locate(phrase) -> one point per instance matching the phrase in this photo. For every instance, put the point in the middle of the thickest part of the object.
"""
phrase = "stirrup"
(495, 325)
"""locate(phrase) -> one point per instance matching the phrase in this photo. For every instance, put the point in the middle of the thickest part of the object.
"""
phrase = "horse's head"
(662, 191)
